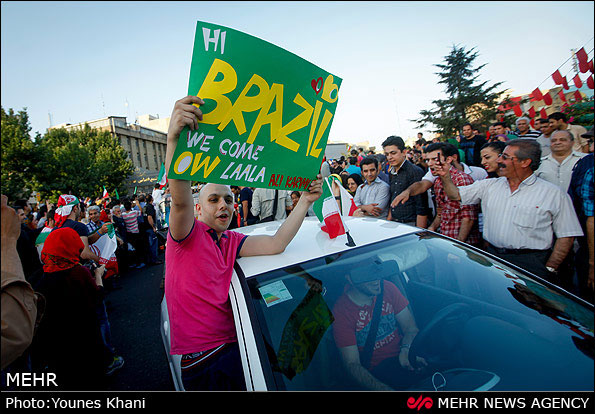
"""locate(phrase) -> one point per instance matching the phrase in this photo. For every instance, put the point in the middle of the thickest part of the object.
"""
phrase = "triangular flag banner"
(348, 206)
(117, 195)
(547, 99)
(581, 55)
(543, 113)
(327, 212)
(565, 83)
(531, 112)
(578, 96)
(590, 82)
(562, 96)
(162, 179)
(537, 94)
(532, 123)
(105, 193)
(577, 81)
(517, 110)
(557, 77)
(583, 60)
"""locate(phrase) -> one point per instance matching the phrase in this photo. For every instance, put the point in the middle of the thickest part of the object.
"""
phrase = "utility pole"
(574, 62)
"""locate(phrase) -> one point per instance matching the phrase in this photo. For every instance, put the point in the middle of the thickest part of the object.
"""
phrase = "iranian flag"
(347, 204)
(45, 232)
(162, 179)
(327, 211)
(105, 247)
(105, 193)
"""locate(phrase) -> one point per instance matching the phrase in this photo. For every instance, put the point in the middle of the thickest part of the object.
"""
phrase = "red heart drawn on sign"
(317, 85)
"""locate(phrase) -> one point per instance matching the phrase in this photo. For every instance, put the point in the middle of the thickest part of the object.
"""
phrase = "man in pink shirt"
(199, 264)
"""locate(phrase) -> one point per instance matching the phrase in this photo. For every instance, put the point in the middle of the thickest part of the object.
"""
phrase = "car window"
(483, 324)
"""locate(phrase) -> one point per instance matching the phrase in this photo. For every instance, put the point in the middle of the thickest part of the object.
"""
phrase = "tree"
(80, 161)
(18, 155)
(467, 99)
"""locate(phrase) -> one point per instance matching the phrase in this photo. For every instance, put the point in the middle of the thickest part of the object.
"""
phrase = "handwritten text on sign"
(250, 135)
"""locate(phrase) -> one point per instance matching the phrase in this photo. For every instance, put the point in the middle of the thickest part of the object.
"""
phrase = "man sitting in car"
(199, 258)
(381, 363)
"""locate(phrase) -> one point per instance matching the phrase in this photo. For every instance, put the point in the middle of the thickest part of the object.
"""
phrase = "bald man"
(199, 261)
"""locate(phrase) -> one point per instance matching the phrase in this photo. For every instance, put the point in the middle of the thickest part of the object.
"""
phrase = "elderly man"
(535, 211)
(200, 256)
(558, 165)
(558, 121)
(372, 197)
(524, 129)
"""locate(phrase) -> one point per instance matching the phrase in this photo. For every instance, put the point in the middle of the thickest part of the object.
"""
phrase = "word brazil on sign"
(266, 117)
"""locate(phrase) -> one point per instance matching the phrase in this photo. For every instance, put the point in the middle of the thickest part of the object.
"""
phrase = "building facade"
(146, 148)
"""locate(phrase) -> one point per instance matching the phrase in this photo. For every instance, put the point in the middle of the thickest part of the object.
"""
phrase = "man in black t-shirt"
(245, 206)
(150, 229)
(471, 145)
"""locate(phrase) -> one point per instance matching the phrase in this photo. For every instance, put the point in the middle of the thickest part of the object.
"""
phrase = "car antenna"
(350, 241)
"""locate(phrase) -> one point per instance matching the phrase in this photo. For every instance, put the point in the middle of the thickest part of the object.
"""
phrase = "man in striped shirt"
(133, 235)
(524, 129)
(522, 213)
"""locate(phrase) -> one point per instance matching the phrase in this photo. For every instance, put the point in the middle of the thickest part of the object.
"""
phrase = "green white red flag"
(105, 246)
(327, 211)
(162, 179)
(347, 203)
(105, 193)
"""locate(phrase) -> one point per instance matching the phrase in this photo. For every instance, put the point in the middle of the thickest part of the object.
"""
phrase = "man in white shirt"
(557, 166)
(157, 195)
(522, 213)
(263, 201)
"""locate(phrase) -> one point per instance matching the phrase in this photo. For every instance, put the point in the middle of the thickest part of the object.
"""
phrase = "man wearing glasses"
(522, 213)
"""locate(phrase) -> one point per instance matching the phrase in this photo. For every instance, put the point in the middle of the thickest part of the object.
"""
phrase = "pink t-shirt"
(197, 279)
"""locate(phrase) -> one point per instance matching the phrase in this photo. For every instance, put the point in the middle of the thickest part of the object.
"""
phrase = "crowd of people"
(526, 195)
(523, 195)
(56, 271)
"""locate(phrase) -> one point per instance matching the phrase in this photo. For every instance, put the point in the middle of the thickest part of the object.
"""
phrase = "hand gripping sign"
(266, 117)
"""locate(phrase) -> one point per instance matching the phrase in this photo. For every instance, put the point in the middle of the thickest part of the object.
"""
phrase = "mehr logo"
(420, 403)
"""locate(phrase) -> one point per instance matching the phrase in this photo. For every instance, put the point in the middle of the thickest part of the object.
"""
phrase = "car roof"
(311, 242)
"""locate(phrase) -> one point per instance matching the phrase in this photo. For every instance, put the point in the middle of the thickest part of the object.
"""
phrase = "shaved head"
(216, 206)
(211, 188)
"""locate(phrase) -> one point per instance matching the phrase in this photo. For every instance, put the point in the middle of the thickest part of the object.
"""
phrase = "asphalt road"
(133, 311)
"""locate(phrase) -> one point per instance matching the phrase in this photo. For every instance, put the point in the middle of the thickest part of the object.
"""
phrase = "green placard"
(266, 117)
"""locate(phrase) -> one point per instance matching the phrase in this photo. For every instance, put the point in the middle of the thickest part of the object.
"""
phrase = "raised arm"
(266, 245)
(181, 215)
(414, 189)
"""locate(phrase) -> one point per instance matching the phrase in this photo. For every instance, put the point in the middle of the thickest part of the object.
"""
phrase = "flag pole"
(350, 242)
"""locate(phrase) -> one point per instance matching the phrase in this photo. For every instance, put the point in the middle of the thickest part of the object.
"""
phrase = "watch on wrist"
(551, 269)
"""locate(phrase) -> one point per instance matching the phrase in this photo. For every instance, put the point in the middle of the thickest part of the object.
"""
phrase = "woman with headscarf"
(68, 341)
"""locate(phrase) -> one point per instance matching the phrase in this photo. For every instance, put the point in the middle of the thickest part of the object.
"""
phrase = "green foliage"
(18, 155)
(580, 113)
(467, 99)
(79, 161)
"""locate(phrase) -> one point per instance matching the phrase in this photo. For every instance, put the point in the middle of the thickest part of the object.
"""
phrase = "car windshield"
(482, 324)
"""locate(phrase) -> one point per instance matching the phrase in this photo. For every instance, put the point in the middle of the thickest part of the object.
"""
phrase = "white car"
(483, 324)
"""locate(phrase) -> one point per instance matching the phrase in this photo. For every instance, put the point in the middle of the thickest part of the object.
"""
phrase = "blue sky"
(84, 60)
